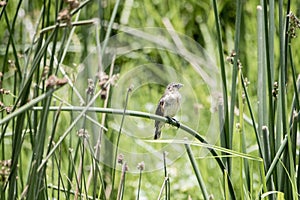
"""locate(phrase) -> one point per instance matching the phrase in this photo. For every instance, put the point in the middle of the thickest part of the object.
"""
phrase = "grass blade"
(197, 172)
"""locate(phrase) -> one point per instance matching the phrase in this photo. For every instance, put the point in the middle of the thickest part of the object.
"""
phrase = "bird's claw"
(177, 124)
(173, 121)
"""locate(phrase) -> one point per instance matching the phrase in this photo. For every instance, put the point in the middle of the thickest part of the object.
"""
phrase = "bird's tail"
(158, 127)
(157, 133)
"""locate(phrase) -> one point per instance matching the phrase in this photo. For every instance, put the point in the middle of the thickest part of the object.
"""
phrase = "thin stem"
(167, 182)
(139, 186)
(118, 139)
(234, 78)
(197, 172)
(225, 129)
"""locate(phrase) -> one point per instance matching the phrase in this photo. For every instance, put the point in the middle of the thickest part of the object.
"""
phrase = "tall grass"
(61, 132)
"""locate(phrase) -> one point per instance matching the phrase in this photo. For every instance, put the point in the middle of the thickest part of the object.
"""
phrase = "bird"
(168, 106)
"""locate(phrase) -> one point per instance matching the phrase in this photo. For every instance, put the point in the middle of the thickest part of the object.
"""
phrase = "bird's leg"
(173, 121)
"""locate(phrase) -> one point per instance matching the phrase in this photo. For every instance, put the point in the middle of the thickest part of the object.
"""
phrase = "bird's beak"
(179, 85)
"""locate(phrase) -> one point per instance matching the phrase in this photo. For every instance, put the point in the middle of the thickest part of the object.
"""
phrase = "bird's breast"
(171, 104)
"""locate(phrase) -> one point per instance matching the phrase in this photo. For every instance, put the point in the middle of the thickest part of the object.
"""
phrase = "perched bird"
(168, 106)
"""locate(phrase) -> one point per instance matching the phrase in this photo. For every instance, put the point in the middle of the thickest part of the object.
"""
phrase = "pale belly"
(172, 104)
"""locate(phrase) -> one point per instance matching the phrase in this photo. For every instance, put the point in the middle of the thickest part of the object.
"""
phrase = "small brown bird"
(168, 106)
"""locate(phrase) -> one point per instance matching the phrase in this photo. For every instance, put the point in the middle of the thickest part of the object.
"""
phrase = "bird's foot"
(177, 124)
(173, 121)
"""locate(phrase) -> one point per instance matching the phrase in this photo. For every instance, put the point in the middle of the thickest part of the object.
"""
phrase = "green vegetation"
(80, 81)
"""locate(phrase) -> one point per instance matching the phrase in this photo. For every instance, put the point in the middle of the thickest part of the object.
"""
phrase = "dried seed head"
(51, 81)
(62, 81)
(141, 166)
(238, 126)
(243, 97)
(3, 3)
(275, 84)
(126, 168)
(54, 81)
(103, 94)
(91, 87)
(295, 116)
(130, 88)
(120, 159)
(275, 89)
(11, 62)
(45, 72)
(229, 59)
(211, 197)
(83, 133)
(264, 128)
(74, 4)
(5, 163)
(233, 53)
(64, 16)
(294, 24)
(5, 169)
(8, 109)
(6, 92)
(246, 81)
(103, 78)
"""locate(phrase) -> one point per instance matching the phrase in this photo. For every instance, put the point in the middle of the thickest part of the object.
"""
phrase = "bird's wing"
(160, 107)
(159, 111)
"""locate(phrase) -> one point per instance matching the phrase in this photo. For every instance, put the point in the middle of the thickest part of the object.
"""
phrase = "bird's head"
(174, 86)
